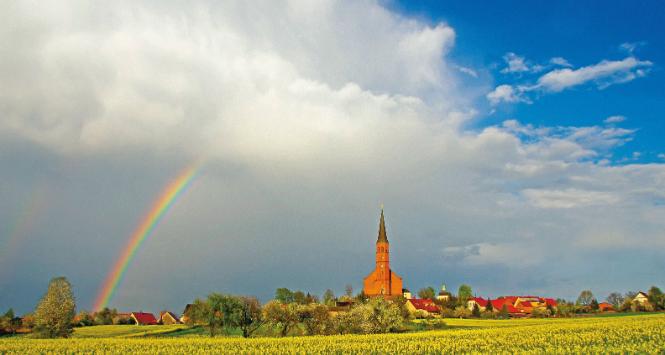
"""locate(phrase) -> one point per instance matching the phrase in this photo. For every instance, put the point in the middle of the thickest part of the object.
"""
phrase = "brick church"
(382, 281)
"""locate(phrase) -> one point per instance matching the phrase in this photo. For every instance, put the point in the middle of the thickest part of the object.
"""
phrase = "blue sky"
(584, 33)
(515, 146)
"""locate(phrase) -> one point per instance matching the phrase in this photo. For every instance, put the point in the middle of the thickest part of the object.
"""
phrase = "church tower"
(382, 281)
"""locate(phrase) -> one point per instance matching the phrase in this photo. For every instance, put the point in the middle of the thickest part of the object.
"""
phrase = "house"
(184, 318)
(425, 307)
(167, 317)
(142, 318)
(515, 305)
(641, 298)
(480, 302)
(605, 307)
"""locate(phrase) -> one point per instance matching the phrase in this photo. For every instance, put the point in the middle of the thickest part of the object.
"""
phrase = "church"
(382, 281)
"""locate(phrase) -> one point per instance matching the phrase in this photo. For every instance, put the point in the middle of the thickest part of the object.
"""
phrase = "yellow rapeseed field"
(628, 334)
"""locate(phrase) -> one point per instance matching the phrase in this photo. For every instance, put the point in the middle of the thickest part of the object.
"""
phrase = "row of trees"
(586, 302)
(220, 313)
(10, 323)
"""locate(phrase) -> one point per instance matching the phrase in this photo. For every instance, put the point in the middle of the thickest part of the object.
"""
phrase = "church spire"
(382, 229)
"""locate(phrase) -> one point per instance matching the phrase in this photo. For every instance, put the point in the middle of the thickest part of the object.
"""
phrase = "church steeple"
(383, 238)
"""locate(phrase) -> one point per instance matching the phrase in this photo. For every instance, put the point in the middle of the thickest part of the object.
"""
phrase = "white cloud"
(515, 63)
(604, 74)
(468, 71)
(615, 119)
(568, 198)
(310, 114)
(560, 61)
(630, 47)
(506, 93)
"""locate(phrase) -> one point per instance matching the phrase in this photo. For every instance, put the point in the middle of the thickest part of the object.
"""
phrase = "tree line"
(297, 312)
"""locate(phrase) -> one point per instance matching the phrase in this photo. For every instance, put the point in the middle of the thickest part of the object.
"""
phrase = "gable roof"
(143, 318)
(175, 318)
(424, 304)
(481, 301)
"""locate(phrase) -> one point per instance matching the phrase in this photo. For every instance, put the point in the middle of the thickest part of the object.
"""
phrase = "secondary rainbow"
(159, 208)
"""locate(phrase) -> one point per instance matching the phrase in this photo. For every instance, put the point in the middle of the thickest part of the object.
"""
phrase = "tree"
(315, 318)
(585, 298)
(476, 310)
(490, 306)
(284, 295)
(329, 297)
(464, 293)
(348, 290)
(84, 319)
(385, 316)
(218, 311)
(299, 297)
(105, 316)
(361, 297)
(283, 316)
(376, 316)
(503, 313)
(656, 297)
(615, 299)
(250, 316)
(9, 322)
(427, 293)
(594, 305)
(311, 298)
(55, 311)
(198, 312)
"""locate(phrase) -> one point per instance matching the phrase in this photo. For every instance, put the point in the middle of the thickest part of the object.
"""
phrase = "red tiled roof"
(550, 302)
(498, 304)
(424, 304)
(525, 304)
(144, 318)
(481, 301)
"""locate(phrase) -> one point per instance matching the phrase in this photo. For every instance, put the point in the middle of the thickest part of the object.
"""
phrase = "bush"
(376, 316)
(540, 313)
(462, 312)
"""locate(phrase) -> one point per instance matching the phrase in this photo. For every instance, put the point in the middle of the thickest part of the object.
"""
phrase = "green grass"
(127, 331)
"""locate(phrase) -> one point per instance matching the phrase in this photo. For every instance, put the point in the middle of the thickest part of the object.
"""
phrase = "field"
(633, 334)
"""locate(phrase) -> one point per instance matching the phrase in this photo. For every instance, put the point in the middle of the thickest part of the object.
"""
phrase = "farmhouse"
(141, 318)
(641, 298)
(515, 305)
(167, 317)
(382, 281)
(423, 307)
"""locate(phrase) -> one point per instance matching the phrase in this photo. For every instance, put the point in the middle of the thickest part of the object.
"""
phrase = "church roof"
(382, 230)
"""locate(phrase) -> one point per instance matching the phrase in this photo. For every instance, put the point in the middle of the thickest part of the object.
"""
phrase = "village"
(382, 284)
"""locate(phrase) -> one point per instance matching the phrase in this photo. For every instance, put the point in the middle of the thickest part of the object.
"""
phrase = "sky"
(516, 146)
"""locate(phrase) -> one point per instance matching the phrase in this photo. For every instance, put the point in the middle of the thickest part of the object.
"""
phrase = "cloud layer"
(309, 115)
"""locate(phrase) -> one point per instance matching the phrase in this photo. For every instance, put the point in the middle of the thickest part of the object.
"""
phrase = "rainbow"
(157, 211)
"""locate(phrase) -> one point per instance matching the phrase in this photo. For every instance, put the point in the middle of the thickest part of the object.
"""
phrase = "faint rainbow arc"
(155, 214)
